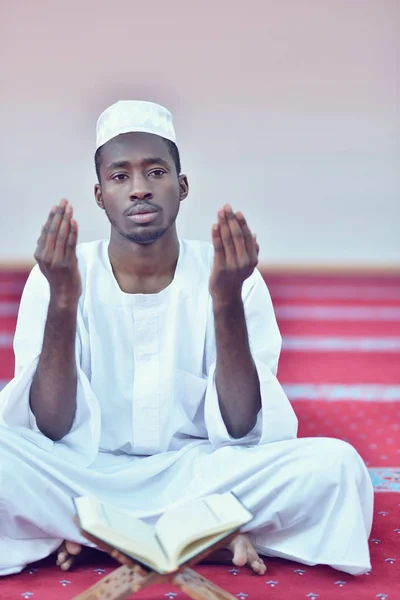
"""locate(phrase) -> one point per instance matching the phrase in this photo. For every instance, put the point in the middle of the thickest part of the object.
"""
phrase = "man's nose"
(140, 189)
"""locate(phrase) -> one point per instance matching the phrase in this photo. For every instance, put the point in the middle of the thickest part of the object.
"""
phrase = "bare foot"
(70, 553)
(241, 548)
(67, 555)
(243, 552)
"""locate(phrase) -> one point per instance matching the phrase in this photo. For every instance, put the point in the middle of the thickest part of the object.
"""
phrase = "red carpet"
(347, 388)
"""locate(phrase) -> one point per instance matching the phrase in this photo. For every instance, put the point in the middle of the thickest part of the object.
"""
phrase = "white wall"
(289, 110)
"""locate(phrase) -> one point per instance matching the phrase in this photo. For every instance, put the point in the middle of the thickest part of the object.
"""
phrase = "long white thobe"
(148, 431)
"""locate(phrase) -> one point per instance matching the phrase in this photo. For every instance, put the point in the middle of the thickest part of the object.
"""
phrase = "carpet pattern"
(340, 367)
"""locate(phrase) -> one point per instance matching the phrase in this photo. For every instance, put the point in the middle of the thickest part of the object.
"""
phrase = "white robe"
(148, 431)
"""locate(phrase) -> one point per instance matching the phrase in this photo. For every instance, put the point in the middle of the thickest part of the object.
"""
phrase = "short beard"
(146, 237)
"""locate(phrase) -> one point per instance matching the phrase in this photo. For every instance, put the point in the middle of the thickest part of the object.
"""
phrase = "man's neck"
(144, 268)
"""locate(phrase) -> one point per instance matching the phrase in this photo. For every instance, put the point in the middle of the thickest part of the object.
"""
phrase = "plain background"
(288, 110)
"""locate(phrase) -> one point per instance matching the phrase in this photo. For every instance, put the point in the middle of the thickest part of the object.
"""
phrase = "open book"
(180, 534)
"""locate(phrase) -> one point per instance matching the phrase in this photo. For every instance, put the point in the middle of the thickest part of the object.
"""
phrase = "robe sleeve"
(276, 421)
(82, 441)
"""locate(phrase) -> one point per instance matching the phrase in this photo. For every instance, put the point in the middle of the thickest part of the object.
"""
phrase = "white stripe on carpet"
(341, 344)
(338, 313)
(333, 392)
(6, 340)
(9, 309)
(338, 392)
(324, 292)
(295, 312)
(306, 343)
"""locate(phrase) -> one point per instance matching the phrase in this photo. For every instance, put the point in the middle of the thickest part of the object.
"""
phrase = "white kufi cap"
(128, 116)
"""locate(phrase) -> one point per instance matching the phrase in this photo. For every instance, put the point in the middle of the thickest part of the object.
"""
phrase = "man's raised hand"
(235, 255)
(56, 255)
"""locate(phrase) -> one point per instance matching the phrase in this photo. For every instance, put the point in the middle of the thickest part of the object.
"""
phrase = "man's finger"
(227, 241)
(70, 247)
(62, 236)
(53, 230)
(43, 234)
(219, 254)
(237, 236)
(248, 238)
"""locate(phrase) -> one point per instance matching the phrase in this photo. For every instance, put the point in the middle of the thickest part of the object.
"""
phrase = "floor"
(340, 367)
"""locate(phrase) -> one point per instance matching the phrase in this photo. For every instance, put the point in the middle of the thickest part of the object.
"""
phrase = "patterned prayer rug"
(340, 367)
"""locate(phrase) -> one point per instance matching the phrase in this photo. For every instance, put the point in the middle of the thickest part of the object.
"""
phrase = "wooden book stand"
(133, 577)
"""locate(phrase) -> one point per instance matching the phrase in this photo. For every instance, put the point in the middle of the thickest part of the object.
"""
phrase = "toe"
(61, 557)
(73, 548)
(239, 551)
(253, 560)
(258, 567)
(66, 565)
(244, 553)
(67, 554)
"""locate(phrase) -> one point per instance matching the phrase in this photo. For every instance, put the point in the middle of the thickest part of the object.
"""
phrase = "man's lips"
(143, 217)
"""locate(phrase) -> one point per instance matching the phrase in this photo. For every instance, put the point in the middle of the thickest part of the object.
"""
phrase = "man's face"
(139, 189)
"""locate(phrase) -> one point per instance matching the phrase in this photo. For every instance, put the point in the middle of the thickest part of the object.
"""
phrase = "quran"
(183, 531)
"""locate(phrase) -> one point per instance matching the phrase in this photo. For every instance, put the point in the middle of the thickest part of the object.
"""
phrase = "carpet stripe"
(342, 292)
(12, 288)
(344, 344)
(327, 393)
(294, 312)
(301, 328)
(9, 309)
(282, 290)
(6, 340)
(305, 343)
(338, 313)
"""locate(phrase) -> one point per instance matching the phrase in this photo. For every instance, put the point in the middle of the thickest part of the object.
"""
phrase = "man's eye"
(157, 172)
(120, 176)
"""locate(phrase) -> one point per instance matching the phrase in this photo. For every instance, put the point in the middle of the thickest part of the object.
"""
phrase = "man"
(146, 375)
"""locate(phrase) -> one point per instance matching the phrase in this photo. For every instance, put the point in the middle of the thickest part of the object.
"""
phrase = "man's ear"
(183, 187)
(98, 196)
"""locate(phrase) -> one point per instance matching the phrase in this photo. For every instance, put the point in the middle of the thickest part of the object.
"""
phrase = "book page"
(211, 517)
(120, 529)
(193, 549)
